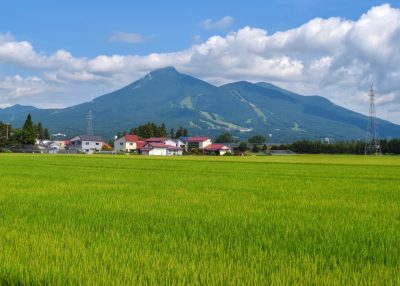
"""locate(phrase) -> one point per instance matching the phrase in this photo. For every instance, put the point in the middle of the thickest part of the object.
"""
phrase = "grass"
(109, 220)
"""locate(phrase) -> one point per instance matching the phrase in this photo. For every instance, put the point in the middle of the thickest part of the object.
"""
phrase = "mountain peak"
(165, 71)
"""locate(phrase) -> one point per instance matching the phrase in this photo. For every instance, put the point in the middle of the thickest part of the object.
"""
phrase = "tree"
(29, 134)
(46, 134)
(162, 131)
(255, 149)
(257, 139)
(242, 147)
(179, 132)
(23, 137)
(172, 133)
(224, 138)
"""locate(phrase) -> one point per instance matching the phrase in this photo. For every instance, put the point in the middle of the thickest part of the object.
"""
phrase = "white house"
(217, 149)
(160, 149)
(166, 141)
(197, 142)
(88, 144)
(126, 143)
(178, 143)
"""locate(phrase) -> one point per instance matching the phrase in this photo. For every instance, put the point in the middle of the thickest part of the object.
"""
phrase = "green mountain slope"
(243, 108)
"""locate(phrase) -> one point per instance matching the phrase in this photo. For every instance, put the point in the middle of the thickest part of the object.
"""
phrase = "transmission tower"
(372, 145)
(89, 129)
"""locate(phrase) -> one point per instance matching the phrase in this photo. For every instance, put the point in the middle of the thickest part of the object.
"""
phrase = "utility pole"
(7, 124)
(372, 144)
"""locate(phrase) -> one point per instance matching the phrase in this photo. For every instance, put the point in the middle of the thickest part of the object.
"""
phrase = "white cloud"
(334, 57)
(16, 86)
(127, 37)
(222, 23)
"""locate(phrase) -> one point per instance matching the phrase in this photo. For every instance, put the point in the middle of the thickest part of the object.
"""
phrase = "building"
(88, 144)
(160, 149)
(217, 149)
(126, 143)
(179, 143)
(166, 141)
(197, 142)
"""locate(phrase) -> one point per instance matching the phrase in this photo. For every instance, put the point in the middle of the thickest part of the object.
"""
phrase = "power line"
(372, 144)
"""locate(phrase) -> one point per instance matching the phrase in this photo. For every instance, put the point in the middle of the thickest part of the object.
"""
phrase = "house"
(88, 144)
(166, 141)
(217, 149)
(179, 143)
(126, 143)
(160, 149)
(197, 142)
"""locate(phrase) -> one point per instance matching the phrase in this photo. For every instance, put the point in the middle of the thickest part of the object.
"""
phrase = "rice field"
(128, 220)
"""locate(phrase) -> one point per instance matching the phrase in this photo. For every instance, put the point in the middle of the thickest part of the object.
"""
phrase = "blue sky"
(84, 27)
(58, 53)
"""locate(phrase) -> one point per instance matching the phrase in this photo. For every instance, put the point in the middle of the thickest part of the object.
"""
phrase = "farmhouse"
(164, 140)
(126, 143)
(217, 149)
(160, 149)
(196, 142)
(88, 144)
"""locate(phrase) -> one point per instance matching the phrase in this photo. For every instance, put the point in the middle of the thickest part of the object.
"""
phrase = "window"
(97, 143)
(122, 144)
(87, 143)
(131, 144)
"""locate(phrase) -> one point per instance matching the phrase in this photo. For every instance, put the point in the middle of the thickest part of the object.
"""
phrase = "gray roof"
(91, 138)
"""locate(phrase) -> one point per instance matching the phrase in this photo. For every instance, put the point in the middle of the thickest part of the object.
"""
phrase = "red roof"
(197, 139)
(216, 147)
(156, 139)
(160, 145)
(140, 144)
(131, 138)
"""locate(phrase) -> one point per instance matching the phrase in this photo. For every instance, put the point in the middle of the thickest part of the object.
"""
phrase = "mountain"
(243, 108)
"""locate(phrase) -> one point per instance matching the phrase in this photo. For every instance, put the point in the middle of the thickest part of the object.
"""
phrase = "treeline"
(388, 146)
(150, 129)
(22, 136)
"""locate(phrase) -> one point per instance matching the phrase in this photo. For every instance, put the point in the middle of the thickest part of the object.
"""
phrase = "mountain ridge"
(242, 108)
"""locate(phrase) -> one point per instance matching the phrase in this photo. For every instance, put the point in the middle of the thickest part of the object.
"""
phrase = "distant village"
(147, 139)
(152, 140)
(159, 146)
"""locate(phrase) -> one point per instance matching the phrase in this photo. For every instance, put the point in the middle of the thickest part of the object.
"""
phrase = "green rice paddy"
(126, 220)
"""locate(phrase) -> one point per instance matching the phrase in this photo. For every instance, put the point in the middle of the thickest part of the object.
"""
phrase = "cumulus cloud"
(126, 37)
(334, 57)
(17, 86)
(223, 23)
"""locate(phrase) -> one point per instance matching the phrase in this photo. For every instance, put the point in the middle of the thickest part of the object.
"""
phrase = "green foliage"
(388, 146)
(257, 139)
(28, 134)
(243, 147)
(255, 148)
(23, 137)
(224, 138)
(40, 132)
(5, 131)
(277, 220)
(150, 129)
(181, 132)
